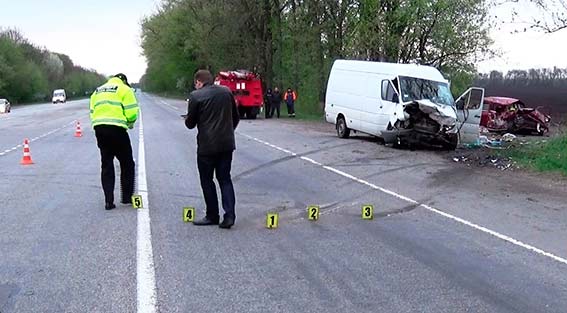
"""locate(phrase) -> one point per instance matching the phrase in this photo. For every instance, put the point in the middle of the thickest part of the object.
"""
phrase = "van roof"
(394, 69)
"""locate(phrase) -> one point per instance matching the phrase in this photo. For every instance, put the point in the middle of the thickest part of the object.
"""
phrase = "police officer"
(114, 110)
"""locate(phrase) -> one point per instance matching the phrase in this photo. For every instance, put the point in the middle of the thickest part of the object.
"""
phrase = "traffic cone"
(26, 160)
(78, 132)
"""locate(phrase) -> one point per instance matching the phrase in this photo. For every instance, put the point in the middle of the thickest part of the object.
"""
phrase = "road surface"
(444, 238)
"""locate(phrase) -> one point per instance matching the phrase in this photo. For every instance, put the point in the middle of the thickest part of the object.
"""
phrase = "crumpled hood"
(445, 115)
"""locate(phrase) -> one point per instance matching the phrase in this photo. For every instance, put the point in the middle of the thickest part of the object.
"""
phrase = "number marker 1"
(272, 220)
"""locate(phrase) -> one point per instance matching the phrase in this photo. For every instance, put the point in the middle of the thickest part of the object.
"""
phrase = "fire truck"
(247, 90)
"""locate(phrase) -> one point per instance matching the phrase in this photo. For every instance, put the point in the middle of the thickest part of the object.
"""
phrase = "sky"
(105, 34)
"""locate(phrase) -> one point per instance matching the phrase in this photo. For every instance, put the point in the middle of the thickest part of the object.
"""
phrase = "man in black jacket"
(212, 109)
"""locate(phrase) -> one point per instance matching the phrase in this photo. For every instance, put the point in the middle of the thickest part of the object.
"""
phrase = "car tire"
(342, 130)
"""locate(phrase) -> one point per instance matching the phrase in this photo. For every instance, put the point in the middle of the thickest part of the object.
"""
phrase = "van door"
(469, 109)
(389, 102)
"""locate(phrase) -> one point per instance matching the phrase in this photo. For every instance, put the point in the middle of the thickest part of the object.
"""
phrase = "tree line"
(293, 43)
(545, 87)
(29, 73)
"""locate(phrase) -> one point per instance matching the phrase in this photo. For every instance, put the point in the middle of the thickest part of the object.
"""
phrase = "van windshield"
(418, 89)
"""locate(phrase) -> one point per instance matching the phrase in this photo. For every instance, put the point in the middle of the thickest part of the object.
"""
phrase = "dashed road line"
(37, 138)
(427, 207)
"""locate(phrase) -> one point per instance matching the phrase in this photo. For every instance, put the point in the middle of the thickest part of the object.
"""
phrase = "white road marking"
(429, 208)
(37, 138)
(146, 299)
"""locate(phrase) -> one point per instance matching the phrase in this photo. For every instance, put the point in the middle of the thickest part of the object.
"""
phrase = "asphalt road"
(445, 238)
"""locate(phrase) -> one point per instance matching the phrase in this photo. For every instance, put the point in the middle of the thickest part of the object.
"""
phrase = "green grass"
(549, 156)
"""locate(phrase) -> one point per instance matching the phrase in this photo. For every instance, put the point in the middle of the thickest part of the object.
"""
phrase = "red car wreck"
(501, 114)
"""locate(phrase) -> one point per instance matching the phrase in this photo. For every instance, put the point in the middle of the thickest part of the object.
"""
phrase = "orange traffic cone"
(26, 160)
(78, 132)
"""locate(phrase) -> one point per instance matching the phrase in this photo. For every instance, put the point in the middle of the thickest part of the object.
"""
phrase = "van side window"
(388, 92)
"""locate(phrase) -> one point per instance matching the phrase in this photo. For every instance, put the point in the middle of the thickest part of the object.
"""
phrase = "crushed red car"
(502, 114)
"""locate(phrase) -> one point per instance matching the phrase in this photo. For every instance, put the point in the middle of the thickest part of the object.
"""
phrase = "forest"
(293, 43)
(29, 73)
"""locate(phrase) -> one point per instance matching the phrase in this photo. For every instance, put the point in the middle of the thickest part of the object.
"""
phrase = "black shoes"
(227, 223)
(109, 206)
(205, 221)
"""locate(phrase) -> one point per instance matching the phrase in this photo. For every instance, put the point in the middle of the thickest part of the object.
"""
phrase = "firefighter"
(114, 110)
(289, 97)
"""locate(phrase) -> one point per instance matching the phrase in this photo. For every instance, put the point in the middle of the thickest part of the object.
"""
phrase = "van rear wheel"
(342, 130)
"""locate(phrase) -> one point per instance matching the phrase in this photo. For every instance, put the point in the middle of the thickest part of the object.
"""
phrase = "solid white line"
(146, 299)
(429, 208)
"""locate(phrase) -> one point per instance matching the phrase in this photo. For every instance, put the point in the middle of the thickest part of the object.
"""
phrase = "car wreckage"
(430, 117)
(405, 104)
(502, 114)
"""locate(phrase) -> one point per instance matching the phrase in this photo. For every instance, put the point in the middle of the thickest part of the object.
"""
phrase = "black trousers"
(275, 107)
(113, 141)
(218, 165)
(268, 109)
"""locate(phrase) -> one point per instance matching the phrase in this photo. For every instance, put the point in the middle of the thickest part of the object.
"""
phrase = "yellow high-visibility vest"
(114, 103)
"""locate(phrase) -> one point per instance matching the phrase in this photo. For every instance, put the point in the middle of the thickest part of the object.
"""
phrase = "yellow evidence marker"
(313, 212)
(137, 202)
(367, 212)
(188, 214)
(272, 220)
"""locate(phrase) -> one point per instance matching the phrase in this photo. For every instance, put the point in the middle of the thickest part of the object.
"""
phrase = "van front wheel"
(342, 130)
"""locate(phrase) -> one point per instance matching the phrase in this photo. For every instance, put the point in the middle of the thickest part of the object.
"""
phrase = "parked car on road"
(502, 114)
(5, 106)
(59, 96)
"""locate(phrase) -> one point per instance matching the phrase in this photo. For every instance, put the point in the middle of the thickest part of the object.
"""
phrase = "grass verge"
(543, 156)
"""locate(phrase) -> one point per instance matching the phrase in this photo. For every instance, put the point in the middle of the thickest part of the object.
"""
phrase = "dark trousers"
(290, 108)
(113, 141)
(275, 107)
(219, 165)
(268, 109)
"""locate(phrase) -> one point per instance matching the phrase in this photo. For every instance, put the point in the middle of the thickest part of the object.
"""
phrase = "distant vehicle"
(5, 106)
(59, 96)
(247, 90)
(502, 114)
(405, 104)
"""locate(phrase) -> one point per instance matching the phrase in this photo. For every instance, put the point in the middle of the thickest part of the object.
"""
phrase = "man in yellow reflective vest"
(114, 110)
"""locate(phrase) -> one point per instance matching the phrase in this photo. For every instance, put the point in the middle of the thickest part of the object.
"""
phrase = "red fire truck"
(247, 89)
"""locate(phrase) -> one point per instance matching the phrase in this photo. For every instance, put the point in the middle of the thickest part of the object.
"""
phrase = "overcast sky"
(105, 35)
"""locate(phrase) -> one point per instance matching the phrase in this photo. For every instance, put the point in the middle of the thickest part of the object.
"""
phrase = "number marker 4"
(367, 212)
(188, 215)
(137, 202)
(313, 212)
(272, 220)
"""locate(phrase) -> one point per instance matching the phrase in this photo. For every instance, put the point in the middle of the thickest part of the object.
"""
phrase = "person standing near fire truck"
(268, 103)
(290, 96)
(276, 102)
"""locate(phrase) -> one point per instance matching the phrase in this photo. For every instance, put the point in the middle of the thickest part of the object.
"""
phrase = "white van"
(405, 104)
(59, 96)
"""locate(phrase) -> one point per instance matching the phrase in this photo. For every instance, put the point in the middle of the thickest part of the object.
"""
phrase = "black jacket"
(213, 110)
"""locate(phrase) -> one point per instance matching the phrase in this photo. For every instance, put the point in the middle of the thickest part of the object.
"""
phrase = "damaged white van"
(405, 104)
